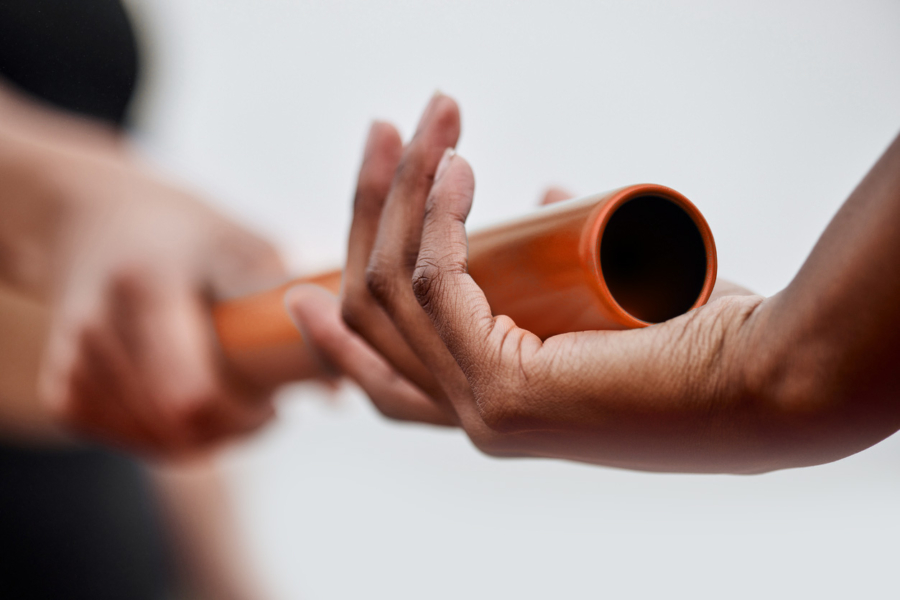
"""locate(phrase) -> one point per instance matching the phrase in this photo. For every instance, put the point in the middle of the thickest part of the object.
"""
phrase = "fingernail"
(449, 153)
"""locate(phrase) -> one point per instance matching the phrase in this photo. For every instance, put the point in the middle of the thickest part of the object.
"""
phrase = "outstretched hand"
(343, 331)
(726, 387)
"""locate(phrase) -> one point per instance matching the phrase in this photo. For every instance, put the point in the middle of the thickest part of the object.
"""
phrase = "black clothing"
(78, 524)
(78, 55)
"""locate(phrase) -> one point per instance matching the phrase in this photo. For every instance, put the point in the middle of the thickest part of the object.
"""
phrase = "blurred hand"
(742, 384)
(129, 266)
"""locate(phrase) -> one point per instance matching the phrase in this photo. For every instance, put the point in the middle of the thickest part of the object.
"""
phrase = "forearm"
(29, 216)
(827, 348)
(29, 219)
(210, 550)
(39, 147)
(34, 212)
(23, 328)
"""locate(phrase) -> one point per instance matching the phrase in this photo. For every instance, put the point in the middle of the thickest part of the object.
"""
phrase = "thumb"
(451, 298)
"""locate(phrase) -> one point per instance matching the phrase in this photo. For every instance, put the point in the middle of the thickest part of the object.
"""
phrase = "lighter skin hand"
(123, 268)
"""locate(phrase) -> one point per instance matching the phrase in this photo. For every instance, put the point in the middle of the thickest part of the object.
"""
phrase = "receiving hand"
(739, 385)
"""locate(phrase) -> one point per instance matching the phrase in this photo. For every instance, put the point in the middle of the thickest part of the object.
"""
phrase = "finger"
(380, 159)
(89, 400)
(134, 315)
(452, 300)
(166, 325)
(109, 386)
(89, 412)
(360, 311)
(87, 380)
(556, 194)
(401, 225)
(397, 244)
(316, 314)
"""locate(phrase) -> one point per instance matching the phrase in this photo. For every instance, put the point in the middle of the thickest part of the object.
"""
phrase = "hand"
(397, 382)
(128, 266)
(742, 384)
(374, 244)
(318, 315)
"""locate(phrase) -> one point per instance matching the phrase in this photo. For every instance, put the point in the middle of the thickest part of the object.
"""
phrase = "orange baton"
(623, 259)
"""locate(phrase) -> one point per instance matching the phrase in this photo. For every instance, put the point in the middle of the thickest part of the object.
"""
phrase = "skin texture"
(117, 270)
(744, 384)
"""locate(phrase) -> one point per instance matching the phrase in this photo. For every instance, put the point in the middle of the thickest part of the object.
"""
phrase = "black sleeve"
(78, 55)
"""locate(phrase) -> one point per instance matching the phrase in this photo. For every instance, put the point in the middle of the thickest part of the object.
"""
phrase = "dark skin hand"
(744, 384)
(340, 328)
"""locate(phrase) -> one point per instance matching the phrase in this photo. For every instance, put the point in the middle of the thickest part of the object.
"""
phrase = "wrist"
(801, 394)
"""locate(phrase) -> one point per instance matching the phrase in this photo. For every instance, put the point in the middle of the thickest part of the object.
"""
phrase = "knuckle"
(432, 271)
(379, 283)
(426, 281)
(353, 312)
(412, 167)
(357, 300)
(371, 190)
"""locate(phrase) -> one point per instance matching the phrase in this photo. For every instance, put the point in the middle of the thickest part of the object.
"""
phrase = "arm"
(212, 556)
(23, 324)
(122, 267)
(743, 384)
(826, 350)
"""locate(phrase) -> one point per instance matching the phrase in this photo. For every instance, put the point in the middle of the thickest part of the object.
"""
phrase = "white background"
(766, 114)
